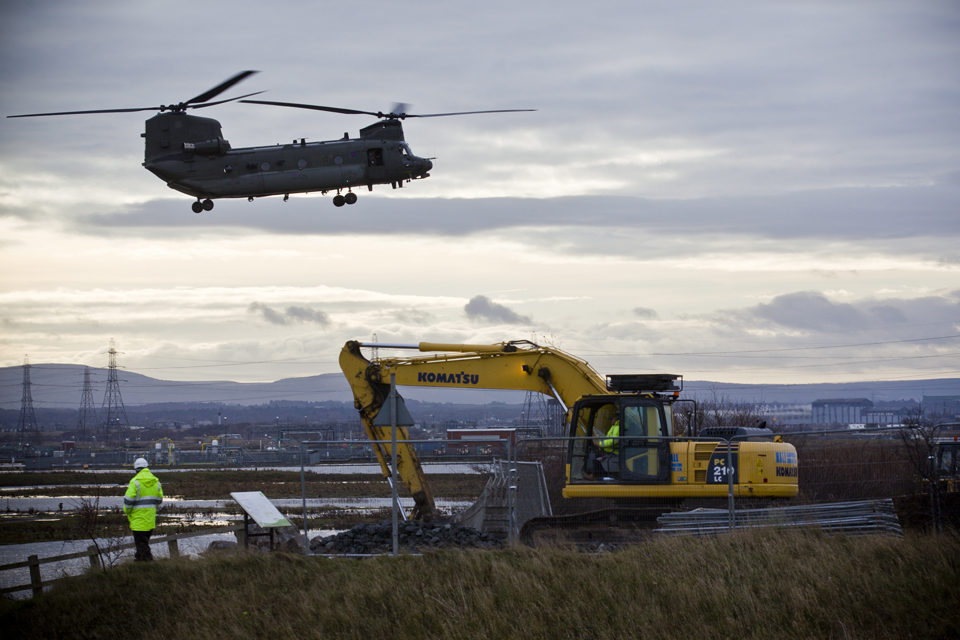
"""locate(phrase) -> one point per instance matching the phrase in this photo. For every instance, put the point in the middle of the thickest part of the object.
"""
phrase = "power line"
(783, 349)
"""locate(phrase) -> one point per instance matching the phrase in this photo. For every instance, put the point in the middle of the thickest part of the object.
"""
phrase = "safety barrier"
(860, 518)
(525, 479)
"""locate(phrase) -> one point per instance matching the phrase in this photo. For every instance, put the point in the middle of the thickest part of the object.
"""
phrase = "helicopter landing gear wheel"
(197, 206)
(339, 201)
(350, 198)
(208, 205)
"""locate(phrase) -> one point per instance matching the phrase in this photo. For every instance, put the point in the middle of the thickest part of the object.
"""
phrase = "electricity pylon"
(88, 410)
(28, 420)
(114, 414)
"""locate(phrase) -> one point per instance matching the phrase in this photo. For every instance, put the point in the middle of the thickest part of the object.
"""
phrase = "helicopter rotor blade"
(210, 104)
(462, 113)
(72, 113)
(220, 88)
(189, 104)
(397, 111)
(316, 107)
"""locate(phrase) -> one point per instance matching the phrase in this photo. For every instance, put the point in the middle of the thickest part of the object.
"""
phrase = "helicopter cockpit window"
(405, 151)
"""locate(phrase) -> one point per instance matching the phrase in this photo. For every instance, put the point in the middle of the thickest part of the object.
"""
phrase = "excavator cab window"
(645, 451)
(639, 454)
(590, 459)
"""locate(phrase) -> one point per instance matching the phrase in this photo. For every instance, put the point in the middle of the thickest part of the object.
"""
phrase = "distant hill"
(61, 386)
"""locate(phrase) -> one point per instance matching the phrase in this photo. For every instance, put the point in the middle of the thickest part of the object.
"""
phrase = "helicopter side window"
(374, 157)
(405, 151)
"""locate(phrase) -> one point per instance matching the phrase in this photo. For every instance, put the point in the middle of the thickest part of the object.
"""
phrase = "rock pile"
(414, 536)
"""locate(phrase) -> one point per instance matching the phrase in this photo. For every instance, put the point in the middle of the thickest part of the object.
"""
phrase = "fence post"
(35, 580)
(173, 548)
(393, 463)
(511, 492)
(303, 496)
(94, 556)
(730, 470)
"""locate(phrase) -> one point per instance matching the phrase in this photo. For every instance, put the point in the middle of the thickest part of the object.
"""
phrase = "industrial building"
(841, 411)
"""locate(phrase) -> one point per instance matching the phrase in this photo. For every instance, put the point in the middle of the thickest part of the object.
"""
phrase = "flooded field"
(329, 469)
(44, 505)
(51, 505)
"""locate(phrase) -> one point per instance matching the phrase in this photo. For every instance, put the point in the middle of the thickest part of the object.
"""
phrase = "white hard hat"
(140, 463)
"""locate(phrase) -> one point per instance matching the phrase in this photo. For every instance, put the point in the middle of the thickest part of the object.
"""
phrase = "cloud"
(484, 309)
(416, 317)
(827, 215)
(815, 312)
(292, 315)
(807, 310)
(644, 312)
(306, 314)
(269, 314)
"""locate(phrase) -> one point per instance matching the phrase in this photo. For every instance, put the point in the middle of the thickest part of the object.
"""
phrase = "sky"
(746, 192)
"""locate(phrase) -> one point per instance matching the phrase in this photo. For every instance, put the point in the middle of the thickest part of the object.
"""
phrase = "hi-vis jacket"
(608, 444)
(140, 503)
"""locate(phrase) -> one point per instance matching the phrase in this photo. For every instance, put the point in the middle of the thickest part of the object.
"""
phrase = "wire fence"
(534, 489)
(564, 479)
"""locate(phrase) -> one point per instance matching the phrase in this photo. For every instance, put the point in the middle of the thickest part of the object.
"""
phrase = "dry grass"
(755, 585)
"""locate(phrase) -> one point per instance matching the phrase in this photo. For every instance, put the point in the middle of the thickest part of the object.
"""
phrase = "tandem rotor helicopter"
(190, 155)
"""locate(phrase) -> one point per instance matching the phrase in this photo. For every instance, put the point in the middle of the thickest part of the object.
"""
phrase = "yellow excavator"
(642, 459)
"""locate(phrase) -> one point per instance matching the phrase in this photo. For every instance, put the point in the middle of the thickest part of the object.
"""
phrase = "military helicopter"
(190, 154)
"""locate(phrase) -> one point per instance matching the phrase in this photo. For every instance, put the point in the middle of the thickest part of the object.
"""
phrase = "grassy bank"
(758, 585)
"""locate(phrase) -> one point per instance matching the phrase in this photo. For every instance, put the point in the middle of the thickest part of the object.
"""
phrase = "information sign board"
(259, 507)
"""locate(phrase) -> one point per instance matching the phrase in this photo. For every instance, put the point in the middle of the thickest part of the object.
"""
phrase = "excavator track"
(618, 525)
(613, 526)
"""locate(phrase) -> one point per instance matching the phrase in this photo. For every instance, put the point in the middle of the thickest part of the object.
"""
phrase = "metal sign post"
(730, 469)
(303, 495)
(393, 462)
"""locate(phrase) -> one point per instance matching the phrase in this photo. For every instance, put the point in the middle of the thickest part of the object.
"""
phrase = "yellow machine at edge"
(647, 461)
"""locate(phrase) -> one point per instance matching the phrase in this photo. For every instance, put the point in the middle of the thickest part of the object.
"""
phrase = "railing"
(95, 553)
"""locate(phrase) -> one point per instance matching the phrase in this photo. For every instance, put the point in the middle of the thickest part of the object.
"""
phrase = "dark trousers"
(142, 540)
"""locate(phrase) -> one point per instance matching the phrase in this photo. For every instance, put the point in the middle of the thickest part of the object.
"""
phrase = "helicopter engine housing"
(208, 147)
(166, 134)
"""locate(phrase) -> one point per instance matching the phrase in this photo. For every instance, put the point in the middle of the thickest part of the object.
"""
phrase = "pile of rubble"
(414, 536)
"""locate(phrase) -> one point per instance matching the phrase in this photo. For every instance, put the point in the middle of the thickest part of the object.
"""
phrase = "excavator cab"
(640, 454)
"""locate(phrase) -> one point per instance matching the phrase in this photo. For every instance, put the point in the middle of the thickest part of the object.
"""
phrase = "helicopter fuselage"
(191, 156)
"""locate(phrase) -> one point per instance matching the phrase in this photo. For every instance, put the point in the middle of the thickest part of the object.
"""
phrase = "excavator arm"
(512, 365)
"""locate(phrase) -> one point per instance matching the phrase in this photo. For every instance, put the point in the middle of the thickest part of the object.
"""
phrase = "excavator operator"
(610, 445)
(607, 461)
